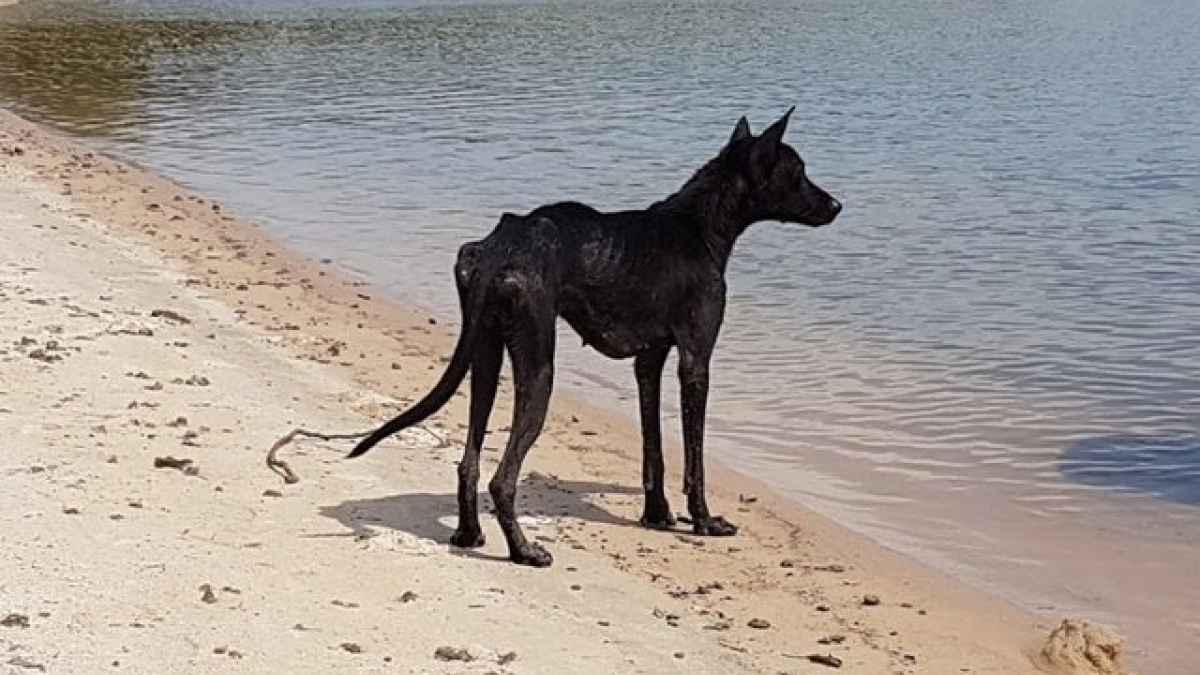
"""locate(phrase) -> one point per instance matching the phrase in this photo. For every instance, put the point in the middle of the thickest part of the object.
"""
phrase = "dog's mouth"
(819, 217)
(822, 212)
(817, 221)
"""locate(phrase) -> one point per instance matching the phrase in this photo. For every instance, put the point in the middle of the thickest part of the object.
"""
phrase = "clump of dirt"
(1081, 648)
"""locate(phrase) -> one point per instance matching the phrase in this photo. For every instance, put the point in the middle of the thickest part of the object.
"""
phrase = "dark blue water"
(995, 348)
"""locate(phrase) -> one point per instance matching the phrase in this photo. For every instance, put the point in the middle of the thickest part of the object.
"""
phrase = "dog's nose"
(835, 206)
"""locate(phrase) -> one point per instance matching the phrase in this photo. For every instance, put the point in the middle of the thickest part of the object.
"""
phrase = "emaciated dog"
(631, 284)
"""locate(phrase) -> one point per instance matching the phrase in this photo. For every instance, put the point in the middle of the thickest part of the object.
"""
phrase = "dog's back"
(617, 278)
(620, 251)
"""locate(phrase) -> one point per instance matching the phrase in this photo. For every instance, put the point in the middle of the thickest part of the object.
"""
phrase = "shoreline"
(345, 332)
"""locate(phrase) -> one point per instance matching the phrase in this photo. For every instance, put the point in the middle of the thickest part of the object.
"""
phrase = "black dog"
(632, 283)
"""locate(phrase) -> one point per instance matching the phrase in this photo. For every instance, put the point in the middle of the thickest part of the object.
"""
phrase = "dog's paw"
(656, 521)
(467, 539)
(532, 554)
(714, 526)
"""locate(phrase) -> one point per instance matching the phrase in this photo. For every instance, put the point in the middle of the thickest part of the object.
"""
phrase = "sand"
(142, 322)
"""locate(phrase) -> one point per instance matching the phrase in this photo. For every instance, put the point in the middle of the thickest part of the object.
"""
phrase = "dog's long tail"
(472, 288)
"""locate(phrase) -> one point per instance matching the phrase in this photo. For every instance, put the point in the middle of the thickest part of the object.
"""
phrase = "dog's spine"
(460, 363)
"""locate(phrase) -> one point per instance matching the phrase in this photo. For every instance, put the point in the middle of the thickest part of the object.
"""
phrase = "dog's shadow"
(434, 516)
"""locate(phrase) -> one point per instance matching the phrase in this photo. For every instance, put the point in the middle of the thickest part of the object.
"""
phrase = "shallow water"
(991, 361)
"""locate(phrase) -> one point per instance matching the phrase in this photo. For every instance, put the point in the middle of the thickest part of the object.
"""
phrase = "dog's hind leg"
(648, 368)
(486, 360)
(531, 348)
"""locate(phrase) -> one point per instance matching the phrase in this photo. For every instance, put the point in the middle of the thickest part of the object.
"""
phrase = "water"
(991, 361)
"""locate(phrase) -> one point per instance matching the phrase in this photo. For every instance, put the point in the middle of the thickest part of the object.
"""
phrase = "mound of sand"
(1081, 648)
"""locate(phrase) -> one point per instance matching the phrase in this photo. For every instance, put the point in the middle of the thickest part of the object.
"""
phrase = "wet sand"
(141, 323)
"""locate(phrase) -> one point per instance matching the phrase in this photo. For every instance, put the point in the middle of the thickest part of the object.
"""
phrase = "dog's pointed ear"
(764, 152)
(773, 136)
(741, 131)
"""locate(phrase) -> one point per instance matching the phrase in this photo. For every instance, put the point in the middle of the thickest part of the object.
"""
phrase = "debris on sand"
(21, 662)
(206, 594)
(281, 467)
(671, 618)
(170, 315)
(44, 355)
(870, 600)
(187, 466)
(1081, 648)
(759, 624)
(15, 621)
(825, 660)
(452, 654)
(352, 647)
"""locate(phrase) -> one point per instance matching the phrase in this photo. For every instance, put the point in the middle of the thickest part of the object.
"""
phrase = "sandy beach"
(143, 324)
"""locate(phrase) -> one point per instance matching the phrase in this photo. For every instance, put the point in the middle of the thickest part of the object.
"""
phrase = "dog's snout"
(835, 207)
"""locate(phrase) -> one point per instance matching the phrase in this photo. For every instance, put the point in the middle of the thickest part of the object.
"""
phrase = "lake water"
(991, 361)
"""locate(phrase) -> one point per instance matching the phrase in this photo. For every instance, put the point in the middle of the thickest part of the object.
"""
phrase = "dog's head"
(777, 188)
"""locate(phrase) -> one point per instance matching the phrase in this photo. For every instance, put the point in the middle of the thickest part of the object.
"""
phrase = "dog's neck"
(715, 200)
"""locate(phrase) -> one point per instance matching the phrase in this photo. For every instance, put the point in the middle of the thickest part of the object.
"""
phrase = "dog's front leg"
(648, 367)
(693, 384)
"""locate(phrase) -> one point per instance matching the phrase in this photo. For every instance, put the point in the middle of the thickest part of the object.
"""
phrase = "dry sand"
(141, 321)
